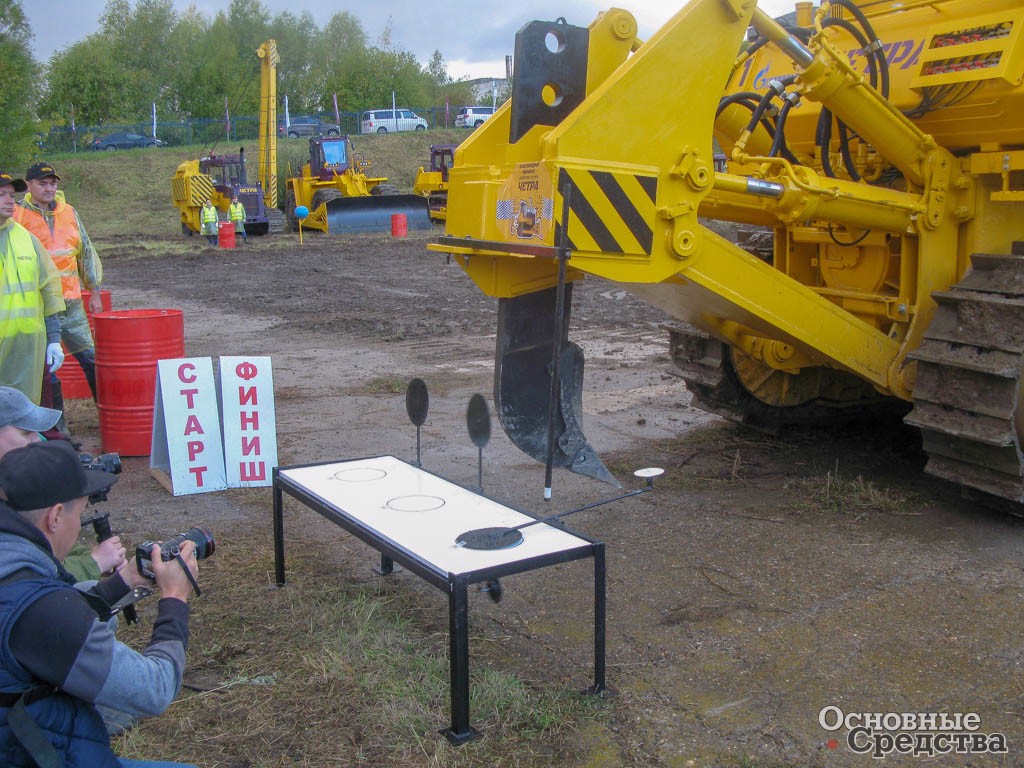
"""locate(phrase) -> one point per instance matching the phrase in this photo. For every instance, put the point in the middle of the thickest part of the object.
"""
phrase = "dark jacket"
(50, 637)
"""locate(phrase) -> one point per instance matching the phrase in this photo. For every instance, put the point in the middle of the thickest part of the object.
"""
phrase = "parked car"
(472, 117)
(125, 140)
(391, 121)
(306, 125)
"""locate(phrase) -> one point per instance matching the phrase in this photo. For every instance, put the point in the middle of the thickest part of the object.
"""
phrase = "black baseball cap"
(40, 171)
(18, 184)
(43, 474)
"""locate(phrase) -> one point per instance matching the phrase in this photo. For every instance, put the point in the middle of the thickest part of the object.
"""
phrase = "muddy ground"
(745, 595)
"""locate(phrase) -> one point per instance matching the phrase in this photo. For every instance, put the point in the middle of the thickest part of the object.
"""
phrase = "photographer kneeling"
(58, 659)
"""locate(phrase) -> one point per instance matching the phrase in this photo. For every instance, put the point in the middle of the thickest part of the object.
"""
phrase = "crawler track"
(739, 388)
(967, 394)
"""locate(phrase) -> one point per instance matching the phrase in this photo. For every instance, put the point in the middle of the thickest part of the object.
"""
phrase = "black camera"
(169, 549)
(105, 462)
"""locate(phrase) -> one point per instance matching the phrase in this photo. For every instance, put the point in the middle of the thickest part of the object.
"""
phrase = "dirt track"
(742, 601)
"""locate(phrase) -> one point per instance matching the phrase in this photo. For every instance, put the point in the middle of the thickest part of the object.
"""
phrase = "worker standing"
(46, 214)
(236, 214)
(30, 300)
(209, 219)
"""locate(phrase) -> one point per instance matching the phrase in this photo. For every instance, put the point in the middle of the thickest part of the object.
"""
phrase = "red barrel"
(128, 344)
(399, 225)
(226, 230)
(72, 381)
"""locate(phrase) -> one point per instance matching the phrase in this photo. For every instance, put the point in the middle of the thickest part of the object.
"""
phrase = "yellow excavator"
(878, 142)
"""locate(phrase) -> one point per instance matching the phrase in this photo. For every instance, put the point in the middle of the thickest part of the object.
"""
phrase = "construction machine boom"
(878, 142)
(220, 177)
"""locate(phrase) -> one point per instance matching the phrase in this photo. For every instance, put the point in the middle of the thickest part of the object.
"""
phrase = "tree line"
(146, 52)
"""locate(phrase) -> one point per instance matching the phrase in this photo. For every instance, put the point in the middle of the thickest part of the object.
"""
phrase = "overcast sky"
(473, 35)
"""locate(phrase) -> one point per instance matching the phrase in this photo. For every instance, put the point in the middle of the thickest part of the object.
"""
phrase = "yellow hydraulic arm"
(605, 154)
(638, 176)
(267, 163)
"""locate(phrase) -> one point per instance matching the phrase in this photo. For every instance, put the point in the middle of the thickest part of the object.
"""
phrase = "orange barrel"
(226, 231)
(128, 344)
(72, 381)
(399, 225)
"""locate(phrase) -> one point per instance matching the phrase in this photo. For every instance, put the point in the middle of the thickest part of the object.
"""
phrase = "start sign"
(186, 427)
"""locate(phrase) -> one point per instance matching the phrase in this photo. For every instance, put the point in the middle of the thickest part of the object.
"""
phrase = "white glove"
(54, 356)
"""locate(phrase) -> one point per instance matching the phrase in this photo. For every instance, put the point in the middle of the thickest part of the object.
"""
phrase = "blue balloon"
(301, 212)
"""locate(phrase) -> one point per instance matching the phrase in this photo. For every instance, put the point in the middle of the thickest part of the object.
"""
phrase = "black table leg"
(458, 638)
(600, 617)
(278, 533)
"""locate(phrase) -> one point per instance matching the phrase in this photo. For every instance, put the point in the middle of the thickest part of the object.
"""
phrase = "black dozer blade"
(373, 214)
(522, 384)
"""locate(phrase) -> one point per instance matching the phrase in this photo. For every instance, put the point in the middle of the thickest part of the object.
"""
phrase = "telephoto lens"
(169, 549)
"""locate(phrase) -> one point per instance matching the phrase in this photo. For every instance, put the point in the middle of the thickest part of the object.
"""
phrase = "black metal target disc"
(490, 538)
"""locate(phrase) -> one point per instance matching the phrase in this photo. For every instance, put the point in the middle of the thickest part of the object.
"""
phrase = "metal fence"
(209, 130)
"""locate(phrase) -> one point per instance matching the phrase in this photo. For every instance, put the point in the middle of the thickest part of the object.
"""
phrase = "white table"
(413, 518)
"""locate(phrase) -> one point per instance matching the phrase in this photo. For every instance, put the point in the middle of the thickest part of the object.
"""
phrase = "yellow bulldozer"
(880, 143)
(333, 186)
(432, 181)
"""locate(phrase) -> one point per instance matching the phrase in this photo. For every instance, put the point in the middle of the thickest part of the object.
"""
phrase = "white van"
(472, 117)
(390, 121)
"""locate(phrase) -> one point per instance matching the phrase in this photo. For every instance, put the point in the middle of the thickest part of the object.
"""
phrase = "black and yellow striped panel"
(201, 189)
(609, 212)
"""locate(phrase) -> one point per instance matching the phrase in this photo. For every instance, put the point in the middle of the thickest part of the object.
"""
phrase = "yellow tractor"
(880, 142)
(432, 183)
(340, 197)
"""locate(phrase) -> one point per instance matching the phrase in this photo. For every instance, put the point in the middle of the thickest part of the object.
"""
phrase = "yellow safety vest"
(22, 329)
(209, 214)
(64, 241)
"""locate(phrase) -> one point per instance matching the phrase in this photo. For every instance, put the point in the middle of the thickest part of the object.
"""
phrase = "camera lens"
(203, 539)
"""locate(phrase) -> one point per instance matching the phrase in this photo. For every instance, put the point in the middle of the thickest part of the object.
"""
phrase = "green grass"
(854, 497)
(384, 386)
(349, 671)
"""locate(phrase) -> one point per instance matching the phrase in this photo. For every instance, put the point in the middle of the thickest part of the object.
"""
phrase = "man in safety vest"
(45, 214)
(30, 300)
(208, 217)
(236, 214)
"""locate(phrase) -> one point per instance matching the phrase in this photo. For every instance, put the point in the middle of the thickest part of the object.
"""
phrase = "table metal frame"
(455, 585)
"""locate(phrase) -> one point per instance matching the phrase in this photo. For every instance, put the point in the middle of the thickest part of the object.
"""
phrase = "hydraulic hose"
(862, 41)
(874, 45)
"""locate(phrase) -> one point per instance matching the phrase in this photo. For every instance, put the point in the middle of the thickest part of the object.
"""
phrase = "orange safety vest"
(62, 241)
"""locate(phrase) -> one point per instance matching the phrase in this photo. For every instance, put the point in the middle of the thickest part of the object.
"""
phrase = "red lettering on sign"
(247, 396)
(246, 371)
(192, 426)
(198, 472)
(195, 447)
(190, 396)
(254, 470)
(251, 445)
(250, 418)
(183, 377)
